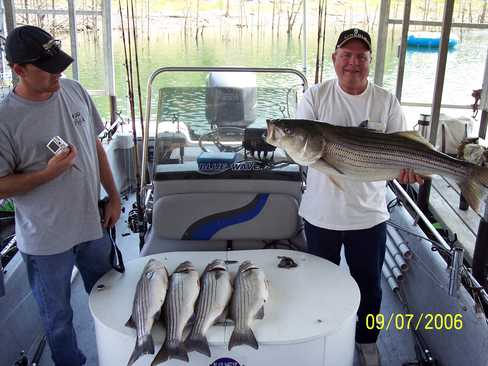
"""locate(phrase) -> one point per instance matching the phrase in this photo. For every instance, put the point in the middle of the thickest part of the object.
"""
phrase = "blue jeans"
(365, 252)
(49, 278)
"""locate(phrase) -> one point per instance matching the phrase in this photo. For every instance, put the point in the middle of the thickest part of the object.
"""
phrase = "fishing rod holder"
(455, 269)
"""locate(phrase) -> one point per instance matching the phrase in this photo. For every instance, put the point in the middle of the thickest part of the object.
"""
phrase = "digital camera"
(57, 145)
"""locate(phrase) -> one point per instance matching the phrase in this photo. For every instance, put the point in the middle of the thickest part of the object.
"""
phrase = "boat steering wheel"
(216, 136)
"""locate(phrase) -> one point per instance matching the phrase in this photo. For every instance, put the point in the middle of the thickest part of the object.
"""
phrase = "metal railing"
(454, 278)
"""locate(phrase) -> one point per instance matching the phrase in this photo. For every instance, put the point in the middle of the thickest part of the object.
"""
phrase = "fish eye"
(288, 130)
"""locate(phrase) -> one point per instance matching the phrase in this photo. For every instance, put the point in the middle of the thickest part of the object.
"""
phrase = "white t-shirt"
(360, 205)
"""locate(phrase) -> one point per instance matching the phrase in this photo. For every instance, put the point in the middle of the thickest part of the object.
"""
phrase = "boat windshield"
(227, 101)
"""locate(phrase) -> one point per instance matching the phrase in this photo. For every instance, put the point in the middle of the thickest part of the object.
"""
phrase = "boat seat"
(219, 214)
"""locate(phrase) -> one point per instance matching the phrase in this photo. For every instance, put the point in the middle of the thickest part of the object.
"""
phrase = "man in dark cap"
(345, 212)
(55, 189)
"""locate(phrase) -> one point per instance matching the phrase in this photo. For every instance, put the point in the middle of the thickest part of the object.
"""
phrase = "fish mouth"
(247, 265)
(217, 264)
(185, 267)
(272, 132)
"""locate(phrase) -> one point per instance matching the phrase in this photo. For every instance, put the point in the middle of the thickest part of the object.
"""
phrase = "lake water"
(222, 47)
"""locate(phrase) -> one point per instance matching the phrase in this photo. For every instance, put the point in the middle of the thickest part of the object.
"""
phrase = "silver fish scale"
(247, 295)
(146, 294)
(142, 307)
(364, 156)
(175, 311)
(176, 295)
(209, 292)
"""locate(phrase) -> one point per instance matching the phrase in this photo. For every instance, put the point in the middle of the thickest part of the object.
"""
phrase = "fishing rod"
(136, 54)
(422, 351)
(136, 217)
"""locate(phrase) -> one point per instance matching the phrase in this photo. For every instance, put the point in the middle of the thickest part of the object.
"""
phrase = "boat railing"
(454, 252)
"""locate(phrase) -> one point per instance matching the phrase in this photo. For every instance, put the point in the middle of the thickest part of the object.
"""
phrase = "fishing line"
(437, 245)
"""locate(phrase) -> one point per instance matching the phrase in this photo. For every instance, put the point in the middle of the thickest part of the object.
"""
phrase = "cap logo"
(52, 47)
(356, 31)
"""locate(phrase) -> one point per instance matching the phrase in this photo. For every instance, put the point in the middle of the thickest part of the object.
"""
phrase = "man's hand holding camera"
(61, 162)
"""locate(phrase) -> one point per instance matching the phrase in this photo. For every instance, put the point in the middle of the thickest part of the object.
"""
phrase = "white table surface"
(310, 301)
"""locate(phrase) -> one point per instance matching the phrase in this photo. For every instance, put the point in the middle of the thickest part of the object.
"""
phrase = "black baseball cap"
(32, 45)
(353, 33)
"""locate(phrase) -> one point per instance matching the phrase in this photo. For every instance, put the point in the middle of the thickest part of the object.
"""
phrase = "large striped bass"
(178, 308)
(215, 293)
(247, 304)
(146, 308)
(366, 155)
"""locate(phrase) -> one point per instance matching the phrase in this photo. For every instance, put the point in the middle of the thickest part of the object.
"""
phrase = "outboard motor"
(231, 99)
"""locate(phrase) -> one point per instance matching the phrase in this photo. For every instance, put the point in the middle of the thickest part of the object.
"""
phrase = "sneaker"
(369, 355)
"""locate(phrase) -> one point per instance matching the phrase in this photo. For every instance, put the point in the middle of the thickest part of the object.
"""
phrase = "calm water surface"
(464, 71)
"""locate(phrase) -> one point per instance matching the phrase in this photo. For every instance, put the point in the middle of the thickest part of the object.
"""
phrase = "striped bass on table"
(367, 155)
(215, 294)
(148, 301)
(247, 304)
(178, 308)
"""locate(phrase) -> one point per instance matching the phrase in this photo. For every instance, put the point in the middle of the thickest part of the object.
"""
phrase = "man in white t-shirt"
(352, 213)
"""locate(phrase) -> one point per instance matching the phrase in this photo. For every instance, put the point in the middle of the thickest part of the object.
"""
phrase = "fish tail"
(243, 336)
(481, 175)
(176, 349)
(142, 348)
(161, 356)
(199, 343)
(475, 189)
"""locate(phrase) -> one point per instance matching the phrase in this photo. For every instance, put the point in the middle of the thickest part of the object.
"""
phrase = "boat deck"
(396, 346)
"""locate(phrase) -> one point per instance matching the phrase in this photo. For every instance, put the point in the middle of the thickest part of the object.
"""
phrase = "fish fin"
(243, 336)
(143, 348)
(481, 175)
(176, 349)
(131, 323)
(187, 329)
(415, 136)
(223, 316)
(191, 320)
(326, 167)
(260, 313)
(335, 182)
(475, 189)
(162, 356)
(199, 343)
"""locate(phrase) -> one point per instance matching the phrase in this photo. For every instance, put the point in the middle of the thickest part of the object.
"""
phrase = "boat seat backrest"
(193, 212)
(225, 216)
